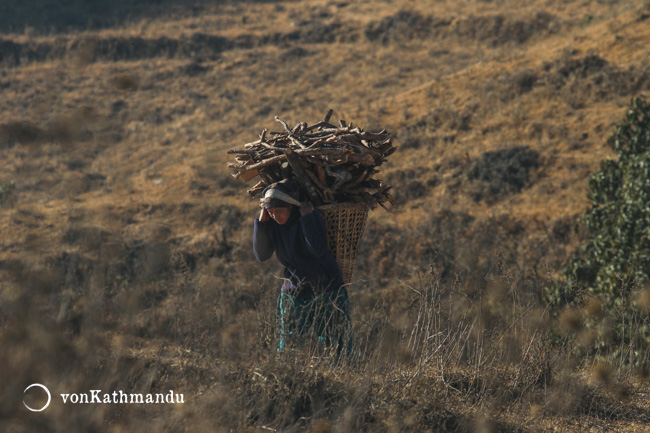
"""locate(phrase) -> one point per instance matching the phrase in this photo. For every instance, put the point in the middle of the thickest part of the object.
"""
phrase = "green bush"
(614, 262)
(6, 190)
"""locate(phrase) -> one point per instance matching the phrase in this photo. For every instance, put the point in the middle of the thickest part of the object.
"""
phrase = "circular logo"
(49, 397)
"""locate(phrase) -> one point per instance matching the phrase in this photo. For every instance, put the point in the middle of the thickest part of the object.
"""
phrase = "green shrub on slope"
(614, 263)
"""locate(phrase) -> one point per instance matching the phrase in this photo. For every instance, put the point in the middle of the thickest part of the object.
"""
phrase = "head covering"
(280, 194)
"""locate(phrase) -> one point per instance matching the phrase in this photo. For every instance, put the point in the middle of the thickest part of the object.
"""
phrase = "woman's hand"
(264, 215)
(306, 208)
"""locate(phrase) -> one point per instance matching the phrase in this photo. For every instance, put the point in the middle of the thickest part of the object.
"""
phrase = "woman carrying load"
(313, 295)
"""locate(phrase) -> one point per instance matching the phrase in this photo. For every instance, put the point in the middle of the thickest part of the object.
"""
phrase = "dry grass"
(126, 259)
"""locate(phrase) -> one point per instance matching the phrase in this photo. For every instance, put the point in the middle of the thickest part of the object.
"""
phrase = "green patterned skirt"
(327, 317)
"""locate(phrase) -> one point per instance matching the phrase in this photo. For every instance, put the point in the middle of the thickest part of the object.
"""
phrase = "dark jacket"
(301, 247)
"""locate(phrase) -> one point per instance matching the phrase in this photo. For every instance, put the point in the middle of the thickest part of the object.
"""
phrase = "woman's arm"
(262, 245)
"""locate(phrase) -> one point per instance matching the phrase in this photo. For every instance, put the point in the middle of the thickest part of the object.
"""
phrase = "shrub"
(614, 262)
(6, 190)
(499, 173)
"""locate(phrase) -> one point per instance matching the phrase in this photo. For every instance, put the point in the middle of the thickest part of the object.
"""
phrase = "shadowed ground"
(55, 16)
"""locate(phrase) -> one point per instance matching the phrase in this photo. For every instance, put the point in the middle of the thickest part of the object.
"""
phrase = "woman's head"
(280, 200)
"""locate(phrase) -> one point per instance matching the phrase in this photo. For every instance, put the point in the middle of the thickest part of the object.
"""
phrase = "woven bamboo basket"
(345, 223)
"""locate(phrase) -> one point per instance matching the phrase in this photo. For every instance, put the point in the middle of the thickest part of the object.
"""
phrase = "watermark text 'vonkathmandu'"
(95, 396)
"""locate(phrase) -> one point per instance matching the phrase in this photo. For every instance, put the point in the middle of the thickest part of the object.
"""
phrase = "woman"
(312, 295)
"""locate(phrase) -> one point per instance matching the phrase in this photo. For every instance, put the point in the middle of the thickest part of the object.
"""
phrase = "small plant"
(6, 190)
(614, 262)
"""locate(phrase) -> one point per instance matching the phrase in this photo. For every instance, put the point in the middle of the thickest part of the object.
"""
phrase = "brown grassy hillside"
(126, 259)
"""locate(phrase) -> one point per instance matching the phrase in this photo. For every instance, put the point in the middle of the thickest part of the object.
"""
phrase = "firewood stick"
(320, 152)
(296, 142)
(266, 176)
(358, 180)
(323, 124)
(361, 159)
(331, 162)
(321, 195)
(321, 174)
(284, 124)
(266, 162)
(299, 128)
(243, 159)
(257, 188)
(271, 147)
(328, 115)
(318, 183)
(331, 131)
(249, 175)
(303, 178)
(315, 161)
(251, 144)
(318, 142)
(242, 151)
(365, 149)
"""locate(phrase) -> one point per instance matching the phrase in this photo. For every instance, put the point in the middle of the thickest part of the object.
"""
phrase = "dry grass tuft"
(601, 373)
(570, 321)
(23, 132)
(643, 299)
(125, 81)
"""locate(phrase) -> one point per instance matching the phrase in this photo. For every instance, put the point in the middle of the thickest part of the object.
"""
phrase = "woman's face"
(279, 214)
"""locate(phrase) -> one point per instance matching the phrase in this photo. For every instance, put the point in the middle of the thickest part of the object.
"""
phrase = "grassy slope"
(117, 146)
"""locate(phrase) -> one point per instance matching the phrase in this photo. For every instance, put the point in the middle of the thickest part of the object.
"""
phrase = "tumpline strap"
(276, 193)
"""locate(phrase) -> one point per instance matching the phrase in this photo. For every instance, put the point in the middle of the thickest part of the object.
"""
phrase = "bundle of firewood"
(331, 164)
